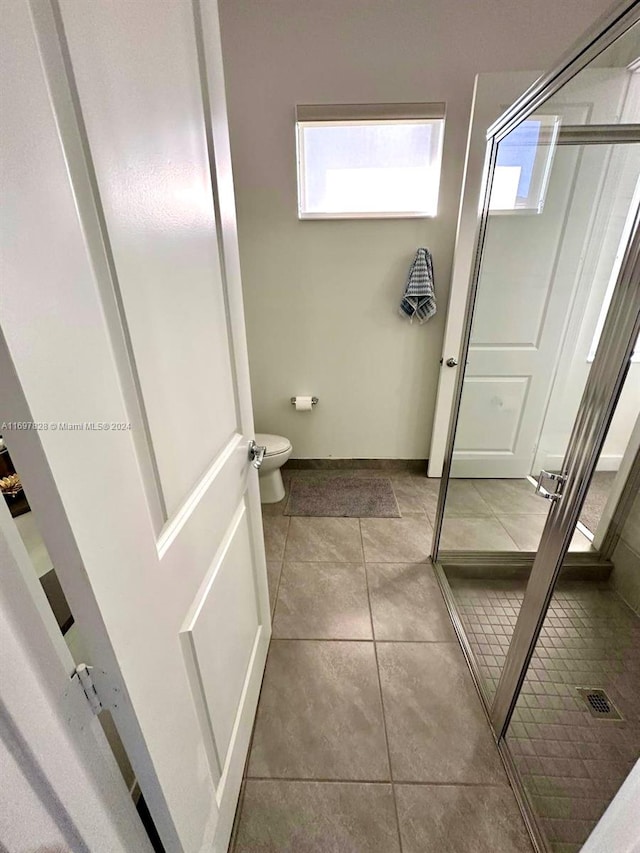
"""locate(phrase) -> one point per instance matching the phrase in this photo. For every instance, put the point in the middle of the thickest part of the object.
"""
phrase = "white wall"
(321, 297)
(625, 577)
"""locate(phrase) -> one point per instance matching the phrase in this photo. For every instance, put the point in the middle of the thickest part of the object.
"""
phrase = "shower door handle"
(558, 479)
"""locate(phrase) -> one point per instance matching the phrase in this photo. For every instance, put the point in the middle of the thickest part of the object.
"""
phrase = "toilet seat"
(275, 444)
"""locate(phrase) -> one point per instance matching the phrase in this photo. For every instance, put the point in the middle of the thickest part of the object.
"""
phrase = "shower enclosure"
(537, 536)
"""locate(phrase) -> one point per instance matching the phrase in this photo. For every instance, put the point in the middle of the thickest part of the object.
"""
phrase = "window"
(523, 166)
(371, 161)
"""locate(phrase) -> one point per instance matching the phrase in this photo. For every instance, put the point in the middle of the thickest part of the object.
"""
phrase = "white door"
(61, 788)
(124, 345)
(491, 94)
(529, 277)
(617, 210)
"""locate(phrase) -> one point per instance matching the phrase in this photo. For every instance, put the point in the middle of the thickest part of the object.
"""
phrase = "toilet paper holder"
(314, 401)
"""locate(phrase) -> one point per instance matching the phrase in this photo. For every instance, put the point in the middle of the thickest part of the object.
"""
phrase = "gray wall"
(320, 296)
(625, 577)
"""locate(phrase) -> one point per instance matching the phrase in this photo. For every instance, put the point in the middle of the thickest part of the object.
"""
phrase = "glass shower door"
(562, 209)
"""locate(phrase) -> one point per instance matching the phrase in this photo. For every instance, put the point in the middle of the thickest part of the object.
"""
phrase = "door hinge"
(88, 685)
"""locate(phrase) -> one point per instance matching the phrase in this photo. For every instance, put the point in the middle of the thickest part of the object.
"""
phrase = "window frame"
(318, 115)
(550, 124)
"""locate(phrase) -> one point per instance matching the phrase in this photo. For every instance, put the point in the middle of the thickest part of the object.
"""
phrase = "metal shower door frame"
(604, 384)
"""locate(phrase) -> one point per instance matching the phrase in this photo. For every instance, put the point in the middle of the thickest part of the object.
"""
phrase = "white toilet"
(278, 451)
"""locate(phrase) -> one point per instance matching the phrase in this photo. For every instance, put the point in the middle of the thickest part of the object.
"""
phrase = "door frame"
(46, 722)
(30, 458)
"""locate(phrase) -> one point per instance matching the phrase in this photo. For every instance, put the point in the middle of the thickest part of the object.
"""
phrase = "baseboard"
(626, 578)
(417, 465)
(508, 566)
(606, 462)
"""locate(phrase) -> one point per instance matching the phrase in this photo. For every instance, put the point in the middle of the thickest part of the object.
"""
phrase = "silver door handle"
(558, 479)
(256, 453)
(451, 362)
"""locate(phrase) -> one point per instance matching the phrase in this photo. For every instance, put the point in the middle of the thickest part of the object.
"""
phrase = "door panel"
(219, 649)
(141, 102)
(491, 414)
(137, 275)
(527, 283)
(518, 269)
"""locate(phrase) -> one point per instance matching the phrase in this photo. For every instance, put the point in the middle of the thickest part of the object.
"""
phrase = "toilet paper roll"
(303, 404)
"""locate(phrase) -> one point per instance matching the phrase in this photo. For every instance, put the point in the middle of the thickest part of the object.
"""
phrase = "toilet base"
(271, 487)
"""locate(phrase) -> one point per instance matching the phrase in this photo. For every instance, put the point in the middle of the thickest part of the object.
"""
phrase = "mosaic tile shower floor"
(571, 763)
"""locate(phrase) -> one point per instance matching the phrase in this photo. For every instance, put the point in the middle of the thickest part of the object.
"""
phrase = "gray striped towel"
(419, 298)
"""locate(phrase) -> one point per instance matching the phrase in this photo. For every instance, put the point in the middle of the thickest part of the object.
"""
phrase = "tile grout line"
(276, 592)
(284, 550)
(385, 782)
(384, 717)
(235, 830)
(365, 640)
(424, 562)
(499, 520)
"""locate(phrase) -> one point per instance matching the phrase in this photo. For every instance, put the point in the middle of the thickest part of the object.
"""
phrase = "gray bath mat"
(596, 499)
(352, 497)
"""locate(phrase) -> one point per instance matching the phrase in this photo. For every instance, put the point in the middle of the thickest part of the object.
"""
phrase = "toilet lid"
(273, 443)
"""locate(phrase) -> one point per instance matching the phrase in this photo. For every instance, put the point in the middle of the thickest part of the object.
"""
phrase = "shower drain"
(598, 703)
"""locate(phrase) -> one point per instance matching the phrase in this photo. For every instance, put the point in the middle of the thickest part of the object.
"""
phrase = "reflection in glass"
(523, 166)
(544, 280)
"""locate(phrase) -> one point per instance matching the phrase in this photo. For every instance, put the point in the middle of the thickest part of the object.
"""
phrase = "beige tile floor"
(481, 515)
(369, 737)
(494, 515)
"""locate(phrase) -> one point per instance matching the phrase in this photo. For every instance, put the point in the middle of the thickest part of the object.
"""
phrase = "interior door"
(530, 273)
(491, 92)
(124, 355)
(617, 205)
